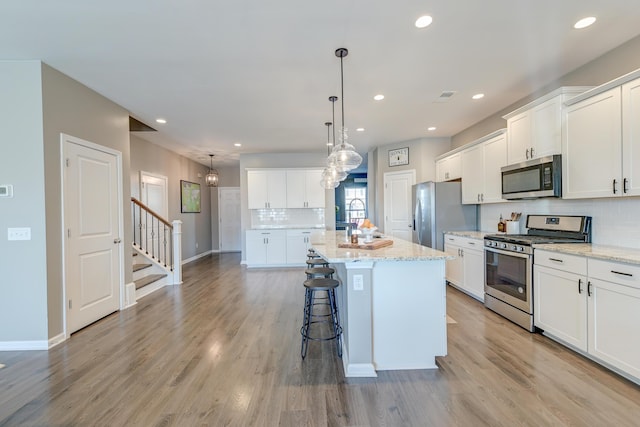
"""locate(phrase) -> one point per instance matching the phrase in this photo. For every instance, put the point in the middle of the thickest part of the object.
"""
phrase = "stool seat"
(317, 261)
(319, 271)
(321, 284)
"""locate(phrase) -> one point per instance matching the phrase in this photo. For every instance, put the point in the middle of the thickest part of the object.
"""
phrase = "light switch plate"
(23, 233)
(6, 190)
(358, 282)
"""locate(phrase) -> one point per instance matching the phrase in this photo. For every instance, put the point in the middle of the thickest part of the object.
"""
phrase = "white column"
(177, 252)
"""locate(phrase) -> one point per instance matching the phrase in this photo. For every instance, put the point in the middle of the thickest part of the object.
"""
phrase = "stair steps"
(147, 280)
(138, 267)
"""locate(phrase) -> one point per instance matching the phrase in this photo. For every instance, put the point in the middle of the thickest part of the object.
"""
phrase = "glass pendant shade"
(344, 157)
(334, 174)
(212, 177)
(328, 183)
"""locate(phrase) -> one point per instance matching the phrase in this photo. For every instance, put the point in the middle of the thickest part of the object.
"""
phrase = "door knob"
(117, 240)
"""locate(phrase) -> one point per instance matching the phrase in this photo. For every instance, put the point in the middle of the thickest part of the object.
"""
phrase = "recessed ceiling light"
(360, 130)
(584, 22)
(237, 144)
(478, 96)
(424, 21)
(379, 97)
(431, 128)
(161, 121)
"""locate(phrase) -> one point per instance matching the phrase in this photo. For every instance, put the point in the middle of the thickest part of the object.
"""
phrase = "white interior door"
(154, 194)
(92, 200)
(229, 219)
(397, 204)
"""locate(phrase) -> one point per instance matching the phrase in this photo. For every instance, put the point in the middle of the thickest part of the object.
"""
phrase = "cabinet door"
(560, 306)
(473, 261)
(591, 147)
(631, 137)
(277, 188)
(454, 267)
(298, 243)
(614, 325)
(440, 170)
(495, 156)
(296, 189)
(256, 247)
(546, 128)
(315, 192)
(257, 189)
(472, 174)
(519, 132)
(277, 247)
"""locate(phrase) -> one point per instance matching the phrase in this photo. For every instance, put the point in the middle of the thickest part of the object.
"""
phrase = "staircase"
(156, 252)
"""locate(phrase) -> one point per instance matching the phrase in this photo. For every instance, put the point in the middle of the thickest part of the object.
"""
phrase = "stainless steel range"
(508, 272)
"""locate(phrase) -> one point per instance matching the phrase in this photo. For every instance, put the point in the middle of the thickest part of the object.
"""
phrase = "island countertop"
(326, 245)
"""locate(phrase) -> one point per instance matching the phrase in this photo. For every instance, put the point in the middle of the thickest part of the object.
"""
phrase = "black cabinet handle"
(526, 153)
(589, 288)
(624, 185)
(532, 152)
(621, 273)
(579, 286)
(615, 182)
(555, 259)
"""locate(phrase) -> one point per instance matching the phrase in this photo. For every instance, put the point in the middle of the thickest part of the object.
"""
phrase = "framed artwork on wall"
(189, 197)
(399, 156)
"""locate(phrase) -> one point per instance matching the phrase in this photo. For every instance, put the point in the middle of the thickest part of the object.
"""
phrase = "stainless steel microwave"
(532, 179)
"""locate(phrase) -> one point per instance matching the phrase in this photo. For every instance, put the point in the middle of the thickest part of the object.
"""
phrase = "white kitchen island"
(392, 304)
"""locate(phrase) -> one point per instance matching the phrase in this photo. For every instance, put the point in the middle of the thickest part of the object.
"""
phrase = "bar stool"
(317, 262)
(326, 272)
(310, 313)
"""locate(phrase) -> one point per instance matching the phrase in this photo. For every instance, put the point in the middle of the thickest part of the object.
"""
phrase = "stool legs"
(332, 317)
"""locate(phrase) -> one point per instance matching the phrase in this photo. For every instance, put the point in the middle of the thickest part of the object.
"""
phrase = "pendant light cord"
(342, 93)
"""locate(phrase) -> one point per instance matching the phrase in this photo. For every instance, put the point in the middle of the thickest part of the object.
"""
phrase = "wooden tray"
(376, 244)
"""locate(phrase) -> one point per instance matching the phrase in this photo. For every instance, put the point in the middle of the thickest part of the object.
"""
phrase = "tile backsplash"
(287, 218)
(615, 222)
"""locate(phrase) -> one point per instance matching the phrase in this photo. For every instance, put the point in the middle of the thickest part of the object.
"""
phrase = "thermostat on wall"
(6, 190)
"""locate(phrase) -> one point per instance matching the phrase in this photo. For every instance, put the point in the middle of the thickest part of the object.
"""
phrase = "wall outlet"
(23, 233)
(358, 282)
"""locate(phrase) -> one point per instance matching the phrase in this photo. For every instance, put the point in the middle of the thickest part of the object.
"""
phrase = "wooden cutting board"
(376, 244)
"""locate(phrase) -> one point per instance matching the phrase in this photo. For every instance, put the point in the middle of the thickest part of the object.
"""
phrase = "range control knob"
(503, 246)
(520, 249)
(514, 248)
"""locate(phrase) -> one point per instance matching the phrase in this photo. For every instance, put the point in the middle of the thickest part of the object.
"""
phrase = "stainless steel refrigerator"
(437, 207)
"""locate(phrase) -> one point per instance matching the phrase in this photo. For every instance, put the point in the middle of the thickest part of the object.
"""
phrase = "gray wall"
(196, 227)
(72, 108)
(615, 63)
(422, 155)
(38, 104)
(23, 305)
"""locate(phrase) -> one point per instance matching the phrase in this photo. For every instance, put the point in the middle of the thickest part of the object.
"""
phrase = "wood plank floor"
(223, 349)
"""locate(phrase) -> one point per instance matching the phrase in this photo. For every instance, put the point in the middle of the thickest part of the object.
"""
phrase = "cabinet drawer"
(616, 272)
(571, 263)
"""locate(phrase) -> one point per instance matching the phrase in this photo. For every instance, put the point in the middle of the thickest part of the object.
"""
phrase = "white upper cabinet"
(481, 175)
(266, 189)
(601, 141)
(449, 168)
(303, 188)
(535, 130)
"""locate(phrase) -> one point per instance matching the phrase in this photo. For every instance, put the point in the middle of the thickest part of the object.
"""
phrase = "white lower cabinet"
(597, 313)
(466, 271)
(266, 247)
(298, 243)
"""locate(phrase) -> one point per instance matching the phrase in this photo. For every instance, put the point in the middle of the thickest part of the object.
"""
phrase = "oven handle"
(513, 254)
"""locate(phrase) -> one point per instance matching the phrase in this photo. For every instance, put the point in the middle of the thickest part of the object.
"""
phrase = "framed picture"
(399, 156)
(189, 197)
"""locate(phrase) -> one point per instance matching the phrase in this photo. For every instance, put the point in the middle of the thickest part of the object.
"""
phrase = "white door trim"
(118, 155)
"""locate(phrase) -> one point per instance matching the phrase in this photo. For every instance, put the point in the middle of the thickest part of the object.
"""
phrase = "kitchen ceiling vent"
(445, 96)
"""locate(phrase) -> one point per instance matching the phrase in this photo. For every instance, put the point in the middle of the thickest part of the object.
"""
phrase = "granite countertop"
(477, 235)
(608, 253)
(326, 245)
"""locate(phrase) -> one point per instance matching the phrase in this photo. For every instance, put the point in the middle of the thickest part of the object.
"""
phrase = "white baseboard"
(130, 295)
(193, 258)
(24, 345)
(57, 340)
(152, 287)
(356, 370)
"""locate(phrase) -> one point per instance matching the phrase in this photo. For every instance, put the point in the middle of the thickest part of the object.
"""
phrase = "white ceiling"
(260, 72)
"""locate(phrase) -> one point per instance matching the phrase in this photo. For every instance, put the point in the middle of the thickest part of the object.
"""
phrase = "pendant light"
(212, 177)
(344, 156)
(330, 176)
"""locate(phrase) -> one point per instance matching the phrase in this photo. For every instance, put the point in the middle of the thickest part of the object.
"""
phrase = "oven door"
(507, 277)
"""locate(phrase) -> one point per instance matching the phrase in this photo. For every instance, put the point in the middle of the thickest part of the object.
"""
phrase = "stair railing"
(158, 238)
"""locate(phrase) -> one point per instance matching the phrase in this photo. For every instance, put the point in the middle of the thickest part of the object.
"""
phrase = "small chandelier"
(344, 156)
(212, 177)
